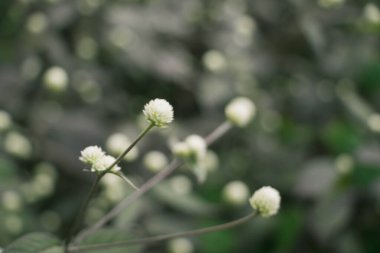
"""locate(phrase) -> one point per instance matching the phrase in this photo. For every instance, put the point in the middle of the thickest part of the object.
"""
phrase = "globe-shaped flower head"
(159, 112)
(240, 111)
(266, 201)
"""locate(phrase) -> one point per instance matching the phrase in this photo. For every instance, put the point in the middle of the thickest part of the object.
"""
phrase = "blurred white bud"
(5, 120)
(104, 163)
(266, 201)
(91, 154)
(344, 164)
(86, 48)
(155, 161)
(55, 79)
(214, 60)
(117, 143)
(159, 112)
(181, 185)
(181, 149)
(240, 111)
(180, 245)
(13, 224)
(236, 193)
(372, 13)
(373, 122)
(211, 161)
(11, 200)
(37, 23)
(17, 145)
(197, 146)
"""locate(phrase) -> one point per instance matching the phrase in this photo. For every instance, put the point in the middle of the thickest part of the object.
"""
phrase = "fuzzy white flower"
(266, 201)
(155, 161)
(91, 154)
(197, 146)
(56, 79)
(159, 112)
(240, 111)
(104, 163)
(236, 193)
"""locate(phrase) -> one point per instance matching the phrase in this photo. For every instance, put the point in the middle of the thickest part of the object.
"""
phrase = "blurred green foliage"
(72, 73)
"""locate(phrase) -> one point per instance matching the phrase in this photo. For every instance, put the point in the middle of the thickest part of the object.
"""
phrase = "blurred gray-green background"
(75, 72)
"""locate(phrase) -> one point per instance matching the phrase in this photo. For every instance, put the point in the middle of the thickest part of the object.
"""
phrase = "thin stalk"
(175, 164)
(84, 206)
(122, 176)
(159, 238)
(82, 210)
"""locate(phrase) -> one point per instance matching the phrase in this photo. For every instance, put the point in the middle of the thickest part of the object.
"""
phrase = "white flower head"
(104, 163)
(155, 161)
(91, 154)
(240, 111)
(266, 201)
(159, 112)
(236, 193)
(197, 146)
(56, 79)
(181, 149)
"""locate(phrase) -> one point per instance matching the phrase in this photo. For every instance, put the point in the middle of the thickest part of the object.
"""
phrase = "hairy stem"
(159, 238)
(175, 164)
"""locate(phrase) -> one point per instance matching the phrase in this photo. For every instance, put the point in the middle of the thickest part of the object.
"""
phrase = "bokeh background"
(74, 73)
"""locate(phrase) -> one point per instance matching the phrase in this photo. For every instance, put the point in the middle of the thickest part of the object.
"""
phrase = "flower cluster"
(97, 159)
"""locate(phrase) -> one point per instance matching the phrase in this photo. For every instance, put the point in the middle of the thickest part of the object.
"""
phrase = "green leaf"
(35, 242)
(110, 236)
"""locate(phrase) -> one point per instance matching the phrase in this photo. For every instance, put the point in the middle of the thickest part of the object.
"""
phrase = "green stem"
(158, 238)
(122, 176)
(82, 210)
(126, 151)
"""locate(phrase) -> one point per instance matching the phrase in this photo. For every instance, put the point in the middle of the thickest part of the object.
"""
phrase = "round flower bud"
(180, 245)
(159, 112)
(236, 193)
(240, 111)
(197, 146)
(56, 79)
(104, 163)
(155, 161)
(266, 201)
(181, 149)
(91, 154)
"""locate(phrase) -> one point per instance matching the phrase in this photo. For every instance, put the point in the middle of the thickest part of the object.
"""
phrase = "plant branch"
(175, 164)
(159, 238)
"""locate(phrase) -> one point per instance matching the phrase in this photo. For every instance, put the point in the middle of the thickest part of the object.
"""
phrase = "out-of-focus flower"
(197, 146)
(37, 23)
(55, 79)
(372, 13)
(214, 60)
(236, 193)
(11, 200)
(5, 120)
(344, 164)
(240, 111)
(180, 245)
(155, 161)
(17, 145)
(118, 142)
(266, 201)
(181, 185)
(159, 112)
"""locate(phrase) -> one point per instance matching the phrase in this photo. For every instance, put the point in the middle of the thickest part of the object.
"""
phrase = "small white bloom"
(56, 79)
(236, 193)
(240, 111)
(117, 143)
(104, 163)
(91, 154)
(155, 161)
(5, 120)
(197, 146)
(159, 112)
(181, 149)
(180, 245)
(266, 201)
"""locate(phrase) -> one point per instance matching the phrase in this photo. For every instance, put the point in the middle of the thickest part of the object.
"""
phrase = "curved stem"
(175, 164)
(126, 151)
(158, 238)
